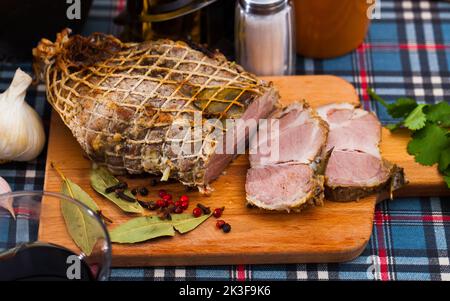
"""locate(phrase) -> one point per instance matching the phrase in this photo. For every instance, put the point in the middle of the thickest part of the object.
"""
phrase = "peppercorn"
(220, 223)
(134, 191)
(197, 212)
(178, 210)
(226, 228)
(143, 191)
(167, 197)
(184, 205)
(162, 192)
(160, 203)
(218, 212)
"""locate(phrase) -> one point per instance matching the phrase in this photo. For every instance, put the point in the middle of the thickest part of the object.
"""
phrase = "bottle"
(264, 36)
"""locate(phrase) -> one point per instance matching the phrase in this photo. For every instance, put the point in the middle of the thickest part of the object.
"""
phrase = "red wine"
(42, 261)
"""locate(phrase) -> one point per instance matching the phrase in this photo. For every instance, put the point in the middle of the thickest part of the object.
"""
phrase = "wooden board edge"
(335, 256)
(343, 255)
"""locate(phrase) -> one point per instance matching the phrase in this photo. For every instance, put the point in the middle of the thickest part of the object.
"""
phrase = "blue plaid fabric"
(406, 53)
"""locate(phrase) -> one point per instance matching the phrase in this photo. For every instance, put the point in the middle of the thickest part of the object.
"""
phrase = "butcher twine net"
(158, 83)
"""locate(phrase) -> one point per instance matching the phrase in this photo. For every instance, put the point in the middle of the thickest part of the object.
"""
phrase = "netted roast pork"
(133, 106)
(355, 168)
(287, 161)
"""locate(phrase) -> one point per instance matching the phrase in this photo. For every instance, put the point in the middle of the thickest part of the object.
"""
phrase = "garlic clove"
(22, 135)
(6, 203)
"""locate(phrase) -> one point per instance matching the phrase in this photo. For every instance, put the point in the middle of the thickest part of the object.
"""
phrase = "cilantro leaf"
(439, 113)
(429, 124)
(444, 160)
(402, 107)
(427, 143)
(416, 119)
(447, 180)
(393, 126)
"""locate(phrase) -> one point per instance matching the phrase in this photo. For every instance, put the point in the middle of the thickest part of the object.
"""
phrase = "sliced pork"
(355, 167)
(288, 177)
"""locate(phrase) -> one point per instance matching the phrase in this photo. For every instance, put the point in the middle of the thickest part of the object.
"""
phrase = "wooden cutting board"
(332, 233)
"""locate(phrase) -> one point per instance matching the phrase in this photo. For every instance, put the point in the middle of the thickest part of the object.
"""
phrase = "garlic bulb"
(22, 136)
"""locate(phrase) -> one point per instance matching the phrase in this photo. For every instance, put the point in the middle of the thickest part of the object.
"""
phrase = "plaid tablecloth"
(406, 53)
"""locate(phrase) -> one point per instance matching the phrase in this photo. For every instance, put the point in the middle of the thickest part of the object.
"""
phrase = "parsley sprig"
(430, 126)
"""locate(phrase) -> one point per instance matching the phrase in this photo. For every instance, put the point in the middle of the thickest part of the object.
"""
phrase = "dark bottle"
(209, 22)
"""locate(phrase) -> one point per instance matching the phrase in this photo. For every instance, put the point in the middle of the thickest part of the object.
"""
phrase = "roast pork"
(355, 167)
(286, 161)
(133, 106)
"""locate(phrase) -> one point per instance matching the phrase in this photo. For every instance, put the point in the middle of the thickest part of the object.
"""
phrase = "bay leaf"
(147, 227)
(83, 228)
(141, 229)
(101, 179)
(6, 203)
(186, 222)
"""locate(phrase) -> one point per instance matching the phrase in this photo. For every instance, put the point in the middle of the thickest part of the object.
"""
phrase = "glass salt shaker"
(265, 37)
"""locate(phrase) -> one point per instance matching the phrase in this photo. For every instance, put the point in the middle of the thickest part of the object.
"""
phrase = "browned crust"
(111, 139)
(313, 198)
(395, 180)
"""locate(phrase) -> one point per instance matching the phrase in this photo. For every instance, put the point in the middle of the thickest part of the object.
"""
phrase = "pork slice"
(285, 164)
(356, 168)
(302, 136)
(257, 110)
(283, 187)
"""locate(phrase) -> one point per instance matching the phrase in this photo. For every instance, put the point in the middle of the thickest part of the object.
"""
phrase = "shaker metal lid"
(263, 6)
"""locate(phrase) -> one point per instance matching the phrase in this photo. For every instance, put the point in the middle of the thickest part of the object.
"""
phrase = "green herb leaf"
(147, 227)
(74, 191)
(402, 107)
(447, 180)
(82, 227)
(141, 229)
(444, 160)
(375, 96)
(186, 222)
(426, 144)
(430, 142)
(416, 119)
(439, 113)
(101, 179)
(394, 126)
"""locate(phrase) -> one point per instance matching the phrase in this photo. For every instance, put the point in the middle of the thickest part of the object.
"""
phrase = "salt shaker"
(264, 36)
